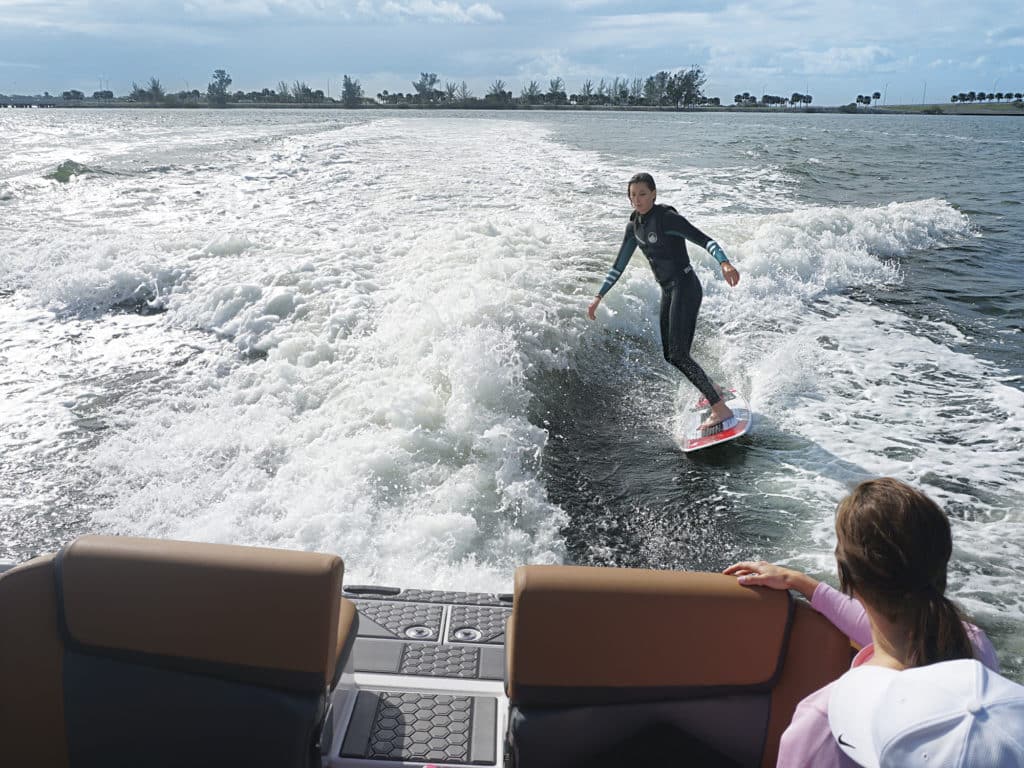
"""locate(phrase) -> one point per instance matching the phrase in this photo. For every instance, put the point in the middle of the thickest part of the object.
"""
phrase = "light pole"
(884, 92)
(924, 92)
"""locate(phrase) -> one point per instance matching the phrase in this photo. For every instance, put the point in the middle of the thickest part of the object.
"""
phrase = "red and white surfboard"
(693, 438)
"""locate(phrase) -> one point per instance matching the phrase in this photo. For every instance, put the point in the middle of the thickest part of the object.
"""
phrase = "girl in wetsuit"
(661, 233)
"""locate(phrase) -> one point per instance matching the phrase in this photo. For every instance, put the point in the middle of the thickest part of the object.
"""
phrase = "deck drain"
(419, 632)
(467, 635)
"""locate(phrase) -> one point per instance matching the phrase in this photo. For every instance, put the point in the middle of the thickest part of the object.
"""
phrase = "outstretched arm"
(621, 260)
(678, 225)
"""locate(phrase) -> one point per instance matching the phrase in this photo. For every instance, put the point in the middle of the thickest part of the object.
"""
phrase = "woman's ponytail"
(938, 634)
(894, 546)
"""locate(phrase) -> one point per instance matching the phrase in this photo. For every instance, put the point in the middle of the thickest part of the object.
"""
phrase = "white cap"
(954, 714)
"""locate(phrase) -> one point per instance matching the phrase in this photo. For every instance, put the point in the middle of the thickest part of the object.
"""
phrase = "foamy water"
(336, 332)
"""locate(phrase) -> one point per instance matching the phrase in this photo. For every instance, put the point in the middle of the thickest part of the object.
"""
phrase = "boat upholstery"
(166, 653)
(595, 656)
(31, 705)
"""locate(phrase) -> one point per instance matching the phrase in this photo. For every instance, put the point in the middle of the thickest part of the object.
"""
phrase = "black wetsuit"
(661, 234)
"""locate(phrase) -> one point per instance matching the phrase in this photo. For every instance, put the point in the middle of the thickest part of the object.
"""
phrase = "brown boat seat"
(597, 656)
(121, 651)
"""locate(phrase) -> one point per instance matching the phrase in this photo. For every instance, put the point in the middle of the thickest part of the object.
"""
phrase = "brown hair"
(642, 178)
(894, 545)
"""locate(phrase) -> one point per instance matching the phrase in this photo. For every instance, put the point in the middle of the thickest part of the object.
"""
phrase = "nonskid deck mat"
(463, 640)
(428, 659)
(353, 591)
(423, 727)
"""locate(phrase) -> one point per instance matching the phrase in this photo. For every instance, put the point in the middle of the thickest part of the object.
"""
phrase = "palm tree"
(496, 92)
(636, 90)
(971, 96)
(556, 90)
(586, 91)
(531, 93)
(876, 96)
(807, 99)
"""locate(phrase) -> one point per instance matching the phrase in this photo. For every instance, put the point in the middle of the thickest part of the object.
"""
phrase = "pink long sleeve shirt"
(808, 740)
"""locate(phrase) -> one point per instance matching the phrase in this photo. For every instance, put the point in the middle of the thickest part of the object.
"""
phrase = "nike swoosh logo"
(845, 743)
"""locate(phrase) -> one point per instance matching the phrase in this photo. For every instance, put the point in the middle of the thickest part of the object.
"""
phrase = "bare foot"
(720, 412)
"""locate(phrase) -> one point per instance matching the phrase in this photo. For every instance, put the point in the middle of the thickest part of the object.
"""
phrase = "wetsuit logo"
(652, 238)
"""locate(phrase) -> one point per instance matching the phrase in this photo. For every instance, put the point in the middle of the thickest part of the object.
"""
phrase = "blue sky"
(832, 49)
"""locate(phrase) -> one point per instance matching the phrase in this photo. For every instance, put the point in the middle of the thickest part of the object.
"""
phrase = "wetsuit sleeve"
(680, 227)
(625, 254)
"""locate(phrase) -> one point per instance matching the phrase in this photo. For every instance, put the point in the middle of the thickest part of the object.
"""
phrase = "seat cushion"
(604, 635)
(263, 610)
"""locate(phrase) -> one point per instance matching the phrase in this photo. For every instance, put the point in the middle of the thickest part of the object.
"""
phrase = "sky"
(910, 51)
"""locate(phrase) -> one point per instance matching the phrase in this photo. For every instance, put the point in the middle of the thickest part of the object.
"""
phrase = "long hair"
(894, 546)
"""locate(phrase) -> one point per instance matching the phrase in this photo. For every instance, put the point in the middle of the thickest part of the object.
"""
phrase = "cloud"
(431, 10)
(844, 61)
(91, 17)
(228, 9)
(1007, 36)
(831, 45)
(150, 29)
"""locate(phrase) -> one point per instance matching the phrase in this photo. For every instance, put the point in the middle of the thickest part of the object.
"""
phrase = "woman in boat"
(893, 547)
(661, 233)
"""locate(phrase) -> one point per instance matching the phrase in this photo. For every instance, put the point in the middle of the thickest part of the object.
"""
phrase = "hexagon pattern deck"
(436, 596)
(397, 618)
(404, 637)
(488, 621)
(422, 727)
(440, 661)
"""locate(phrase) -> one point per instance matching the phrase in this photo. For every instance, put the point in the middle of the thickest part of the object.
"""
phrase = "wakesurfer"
(661, 234)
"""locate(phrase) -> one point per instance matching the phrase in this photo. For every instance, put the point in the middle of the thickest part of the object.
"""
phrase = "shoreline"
(996, 110)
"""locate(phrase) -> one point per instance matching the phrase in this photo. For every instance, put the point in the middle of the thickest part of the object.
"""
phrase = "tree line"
(963, 98)
(768, 100)
(972, 96)
(682, 88)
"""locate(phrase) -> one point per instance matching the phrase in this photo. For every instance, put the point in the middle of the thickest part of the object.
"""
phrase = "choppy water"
(365, 333)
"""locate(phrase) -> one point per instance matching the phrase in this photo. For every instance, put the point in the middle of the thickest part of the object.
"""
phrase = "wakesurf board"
(694, 439)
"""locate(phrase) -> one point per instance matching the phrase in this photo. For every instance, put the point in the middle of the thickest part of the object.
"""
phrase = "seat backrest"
(166, 653)
(817, 654)
(594, 655)
(31, 705)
